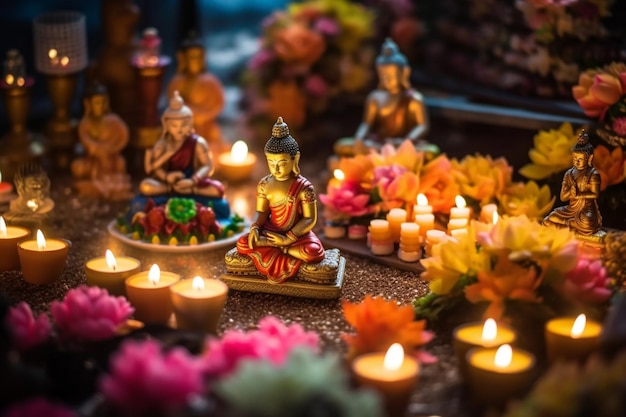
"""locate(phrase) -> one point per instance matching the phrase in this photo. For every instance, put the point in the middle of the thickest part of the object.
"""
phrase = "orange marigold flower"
(379, 323)
(610, 164)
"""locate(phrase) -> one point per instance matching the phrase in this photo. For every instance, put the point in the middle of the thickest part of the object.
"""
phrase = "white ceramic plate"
(200, 247)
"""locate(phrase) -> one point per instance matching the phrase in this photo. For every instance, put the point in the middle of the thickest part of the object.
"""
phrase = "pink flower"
(90, 313)
(261, 59)
(145, 379)
(345, 200)
(315, 85)
(327, 26)
(27, 330)
(619, 126)
(587, 282)
(396, 186)
(272, 341)
(37, 407)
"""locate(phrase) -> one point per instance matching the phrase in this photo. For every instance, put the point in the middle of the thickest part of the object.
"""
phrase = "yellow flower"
(526, 198)
(481, 177)
(610, 164)
(552, 152)
(451, 260)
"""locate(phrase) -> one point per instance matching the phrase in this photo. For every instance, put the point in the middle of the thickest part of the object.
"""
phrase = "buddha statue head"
(282, 152)
(582, 152)
(33, 186)
(393, 68)
(191, 56)
(177, 119)
(96, 101)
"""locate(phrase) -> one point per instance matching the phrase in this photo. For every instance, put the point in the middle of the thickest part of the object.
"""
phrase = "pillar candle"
(495, 375)
(9, 238)
(422, 206)
(198, 303)
(486, 212)
(461, 211)
(380, 237)
(426, 223)
(42, 260)
(432, 238)
(396, 217)
(410, 249)
(570, 338)
(455, 224)
(479, 334)
(110, 272)
(149, 294)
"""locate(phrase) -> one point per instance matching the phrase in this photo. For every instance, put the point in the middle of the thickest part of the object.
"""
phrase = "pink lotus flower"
(272, 341)
(90, 313)
(396, 186)
(145, 379)
(38, 407)
(27, 331)
(587, 282)
(345, 201)
(597, 91)
(619, 126)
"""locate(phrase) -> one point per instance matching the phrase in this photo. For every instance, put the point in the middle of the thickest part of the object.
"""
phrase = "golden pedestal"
(61, 130)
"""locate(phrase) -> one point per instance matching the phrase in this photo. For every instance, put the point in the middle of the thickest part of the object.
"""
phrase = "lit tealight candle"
(110, 272)
(392, 374)
(42, 260)
(571, 339)
(496, 375)
(461, 211)
(422, 206)
(237, 164)
(477, 334)
(149, 293)
(9, 238)
(198, 303)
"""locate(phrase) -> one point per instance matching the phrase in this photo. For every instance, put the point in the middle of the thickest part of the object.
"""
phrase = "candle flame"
(339, 174)
(65, 60)
(460, 201)
(197, 283)
(394, 357)
(155, 274)
(504, 355)
(52, 53)
(495, 217)
(41, 240)
(21, 81)
(10, 79)
(579, 326)
(111, 262)
(490, 330)
(3, 227)
(0, 176)
(239, 151)
(422, 200)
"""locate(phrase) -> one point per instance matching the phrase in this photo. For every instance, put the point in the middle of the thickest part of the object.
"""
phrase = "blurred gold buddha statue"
(581, 188)
(102, 171)
(33, 205)
(281, 243)
(181, 161)
(393, 112)
(202, 92)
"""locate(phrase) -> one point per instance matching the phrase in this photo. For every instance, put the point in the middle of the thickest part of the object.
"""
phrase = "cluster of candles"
(496, 371)
(197, 303)
(397, 228)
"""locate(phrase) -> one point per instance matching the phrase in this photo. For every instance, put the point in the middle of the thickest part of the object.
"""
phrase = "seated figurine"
(33, 204)
(180, 162)
(581, 188)
(281, 243)
(393, 112)
(201, 91)
(102, 171)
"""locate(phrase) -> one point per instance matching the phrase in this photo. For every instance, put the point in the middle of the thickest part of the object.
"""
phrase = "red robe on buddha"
(274, 262)
(183, 159)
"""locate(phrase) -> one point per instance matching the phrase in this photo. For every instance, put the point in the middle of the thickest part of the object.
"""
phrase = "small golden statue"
(393, 112)
(581, 188)
(202, 92)
(281, 247)
(33, 206)
(102, 171)
(180, 162)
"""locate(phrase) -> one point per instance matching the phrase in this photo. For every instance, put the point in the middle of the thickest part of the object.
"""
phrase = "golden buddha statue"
(180, 162)
(102, 171)
(581, 188)
(202, 92)
(281, 244)
(393, 112)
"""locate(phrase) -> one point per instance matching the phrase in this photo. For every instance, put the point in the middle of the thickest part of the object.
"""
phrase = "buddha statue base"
(322, 280)
(595, 240)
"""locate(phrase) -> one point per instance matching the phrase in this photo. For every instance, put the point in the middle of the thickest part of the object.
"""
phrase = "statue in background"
(180, 162)
(202, 92)
(33, 206)
(581, 189)
(102, 171)
(393, 112)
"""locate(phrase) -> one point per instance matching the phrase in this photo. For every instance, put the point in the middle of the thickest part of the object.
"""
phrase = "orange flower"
(508, 280)
(610, 164)
(597, 91)
(379, 324)
(438, 184)
(286, 100)
(359, 169)
(297, 44)
(405, 156)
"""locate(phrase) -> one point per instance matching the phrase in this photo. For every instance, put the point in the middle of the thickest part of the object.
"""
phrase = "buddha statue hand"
(173, 177)
(277, 239)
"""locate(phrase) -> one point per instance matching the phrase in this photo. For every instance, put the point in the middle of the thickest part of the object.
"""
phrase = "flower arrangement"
(310, 53)
(179, 220)
(518, 262)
